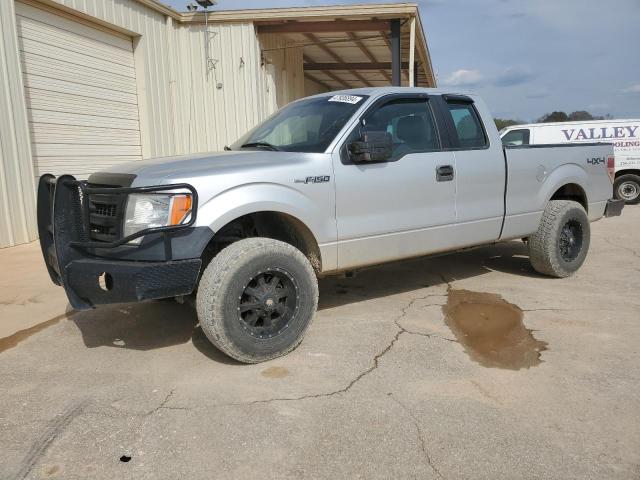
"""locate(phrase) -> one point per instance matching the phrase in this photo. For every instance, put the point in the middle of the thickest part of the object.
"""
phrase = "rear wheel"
(560, 245)
(256, 299)
(627, 188)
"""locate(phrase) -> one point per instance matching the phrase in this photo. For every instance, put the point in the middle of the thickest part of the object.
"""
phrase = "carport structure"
(350, 46)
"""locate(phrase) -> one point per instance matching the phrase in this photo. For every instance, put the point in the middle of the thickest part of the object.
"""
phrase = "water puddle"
(275, 372)
(12, 340)
(492, 330)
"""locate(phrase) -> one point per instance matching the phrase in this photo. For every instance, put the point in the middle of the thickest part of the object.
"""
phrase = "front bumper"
(94, 273)
(614, 207)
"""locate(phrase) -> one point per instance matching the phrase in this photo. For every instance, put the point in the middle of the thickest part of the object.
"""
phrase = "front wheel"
(627, 188)
(560, 245)
(256, 299)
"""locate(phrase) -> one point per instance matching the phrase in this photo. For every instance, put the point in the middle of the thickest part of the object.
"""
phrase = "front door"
(401, 207)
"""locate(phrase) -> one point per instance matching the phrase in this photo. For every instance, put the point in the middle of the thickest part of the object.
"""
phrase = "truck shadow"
(160, 324)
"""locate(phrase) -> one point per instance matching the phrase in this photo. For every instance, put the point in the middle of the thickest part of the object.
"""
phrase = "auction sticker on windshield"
(352, 99)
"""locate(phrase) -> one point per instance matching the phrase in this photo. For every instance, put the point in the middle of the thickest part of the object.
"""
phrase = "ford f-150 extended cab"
(329, 183)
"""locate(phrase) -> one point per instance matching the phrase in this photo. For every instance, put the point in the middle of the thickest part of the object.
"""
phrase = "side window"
(410, 123)
(516, 137)
(467, 124)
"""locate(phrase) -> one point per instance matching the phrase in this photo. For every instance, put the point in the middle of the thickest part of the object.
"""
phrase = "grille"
(105, 209)
(105, 217)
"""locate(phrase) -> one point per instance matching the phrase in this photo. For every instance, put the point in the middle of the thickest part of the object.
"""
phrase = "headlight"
(155, 210)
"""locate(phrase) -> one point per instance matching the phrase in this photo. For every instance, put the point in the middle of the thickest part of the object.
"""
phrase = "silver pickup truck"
(328, 184)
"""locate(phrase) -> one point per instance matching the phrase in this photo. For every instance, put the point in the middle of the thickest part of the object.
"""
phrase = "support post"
(412, 52)
(396, 72)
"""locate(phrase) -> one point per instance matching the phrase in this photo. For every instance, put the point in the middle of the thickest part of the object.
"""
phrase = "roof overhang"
(351, 42)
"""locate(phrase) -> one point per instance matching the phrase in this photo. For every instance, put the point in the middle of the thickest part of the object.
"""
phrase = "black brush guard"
(69, 252)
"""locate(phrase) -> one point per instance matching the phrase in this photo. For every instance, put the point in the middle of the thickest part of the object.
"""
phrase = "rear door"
(401, 207)
(480, 169)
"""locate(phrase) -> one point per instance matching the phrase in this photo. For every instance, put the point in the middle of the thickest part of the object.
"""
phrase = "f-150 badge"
(319, 179)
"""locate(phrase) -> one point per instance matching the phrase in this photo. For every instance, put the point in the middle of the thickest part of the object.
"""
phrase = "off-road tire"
(545, 245)
(619, 184)
(226, 278)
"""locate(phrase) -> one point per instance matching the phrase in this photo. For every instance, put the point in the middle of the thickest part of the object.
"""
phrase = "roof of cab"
(377, 91)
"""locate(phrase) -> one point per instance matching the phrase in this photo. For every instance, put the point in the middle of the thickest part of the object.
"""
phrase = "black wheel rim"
(268, 303)
(570, 243)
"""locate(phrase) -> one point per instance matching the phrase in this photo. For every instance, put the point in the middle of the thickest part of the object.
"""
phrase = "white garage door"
(81, 95)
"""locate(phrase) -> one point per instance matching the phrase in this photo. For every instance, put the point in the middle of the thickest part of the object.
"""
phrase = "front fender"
(316, 213)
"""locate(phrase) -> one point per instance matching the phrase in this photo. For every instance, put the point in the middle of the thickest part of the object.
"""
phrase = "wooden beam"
(412, 53)
(386, 39)
(324, 27)
(329, 74)
(368, 53)
(338, 80)
(336, 57)
(319, 82)
(382, 66)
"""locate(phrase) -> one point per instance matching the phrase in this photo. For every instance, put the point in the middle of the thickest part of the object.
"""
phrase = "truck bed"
(536, 172)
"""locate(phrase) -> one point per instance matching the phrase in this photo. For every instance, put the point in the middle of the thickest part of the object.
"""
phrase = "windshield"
(304, 126)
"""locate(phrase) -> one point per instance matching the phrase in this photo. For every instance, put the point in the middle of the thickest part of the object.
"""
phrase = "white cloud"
(463, 78)
(632, 89)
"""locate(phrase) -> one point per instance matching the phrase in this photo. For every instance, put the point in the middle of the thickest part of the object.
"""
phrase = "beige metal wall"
(81, 93)
(285, 65)
(17, 190)
(184, 105)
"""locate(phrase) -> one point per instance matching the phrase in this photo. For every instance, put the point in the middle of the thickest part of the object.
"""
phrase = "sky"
(525, 57)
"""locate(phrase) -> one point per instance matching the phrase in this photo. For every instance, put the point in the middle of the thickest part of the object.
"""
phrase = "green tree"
(554, 117)
(504, 122)
(581, 115)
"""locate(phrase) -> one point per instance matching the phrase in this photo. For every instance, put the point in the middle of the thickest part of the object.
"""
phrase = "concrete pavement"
(380, 387)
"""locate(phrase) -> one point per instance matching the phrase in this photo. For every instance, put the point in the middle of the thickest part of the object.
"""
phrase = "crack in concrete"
(162, 404)
(376, 359)
(360, 376)
(420, 435)
(119, 412)
(364, 373)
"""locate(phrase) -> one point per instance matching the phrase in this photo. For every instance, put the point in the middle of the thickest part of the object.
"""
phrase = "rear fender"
(561, 176)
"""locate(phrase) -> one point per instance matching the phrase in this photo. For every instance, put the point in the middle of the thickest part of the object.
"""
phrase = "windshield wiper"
(261, 145)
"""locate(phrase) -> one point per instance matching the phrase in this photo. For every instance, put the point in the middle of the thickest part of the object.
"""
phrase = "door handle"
(445, 173)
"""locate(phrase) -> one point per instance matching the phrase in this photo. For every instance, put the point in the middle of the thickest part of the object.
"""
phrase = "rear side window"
(516, 137)
(467, 125)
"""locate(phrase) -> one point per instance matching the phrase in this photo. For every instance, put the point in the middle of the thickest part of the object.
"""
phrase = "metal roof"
(344, 45)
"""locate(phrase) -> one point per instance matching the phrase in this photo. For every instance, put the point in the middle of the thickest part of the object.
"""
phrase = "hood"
(170, 169)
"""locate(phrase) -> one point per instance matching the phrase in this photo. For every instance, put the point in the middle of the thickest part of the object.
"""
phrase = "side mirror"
(372, 147)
